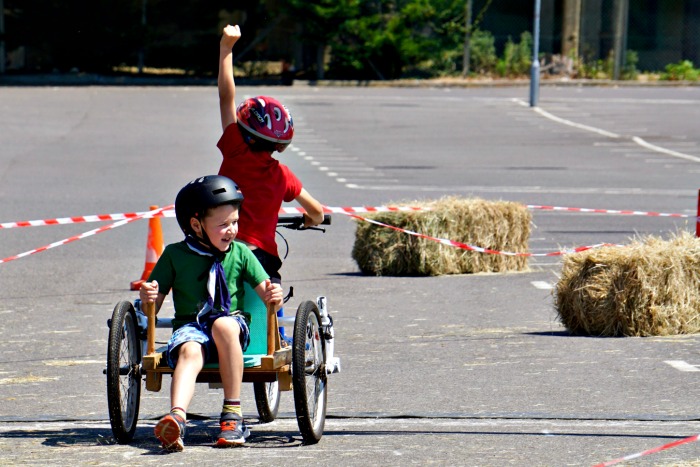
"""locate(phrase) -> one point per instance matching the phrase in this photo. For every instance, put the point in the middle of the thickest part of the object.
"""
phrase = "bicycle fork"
(332, 362)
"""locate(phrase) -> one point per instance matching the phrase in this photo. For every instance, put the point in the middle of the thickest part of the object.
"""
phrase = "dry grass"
(500, 225)
(650, 288)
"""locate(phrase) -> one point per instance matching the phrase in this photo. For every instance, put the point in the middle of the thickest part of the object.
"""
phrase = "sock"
(232, 406)
(179, 411)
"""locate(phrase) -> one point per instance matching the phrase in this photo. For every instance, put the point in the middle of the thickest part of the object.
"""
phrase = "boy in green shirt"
(206, 273)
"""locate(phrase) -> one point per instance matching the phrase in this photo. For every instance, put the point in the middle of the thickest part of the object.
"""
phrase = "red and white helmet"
(265, 119)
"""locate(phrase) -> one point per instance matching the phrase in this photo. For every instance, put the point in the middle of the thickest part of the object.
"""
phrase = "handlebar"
(296, 222)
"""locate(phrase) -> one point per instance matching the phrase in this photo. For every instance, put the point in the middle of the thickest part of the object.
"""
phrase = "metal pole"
(535, 68)
(467, 38)
(142, 49)
(2, 37)
(621, 12)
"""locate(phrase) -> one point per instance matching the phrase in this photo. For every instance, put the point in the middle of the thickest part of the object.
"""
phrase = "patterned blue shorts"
(197, 333)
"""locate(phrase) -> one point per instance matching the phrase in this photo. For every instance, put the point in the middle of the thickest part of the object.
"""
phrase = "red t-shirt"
(265, 184)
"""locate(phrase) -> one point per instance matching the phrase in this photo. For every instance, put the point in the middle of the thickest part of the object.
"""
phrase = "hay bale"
(496, 225)
(650, 288)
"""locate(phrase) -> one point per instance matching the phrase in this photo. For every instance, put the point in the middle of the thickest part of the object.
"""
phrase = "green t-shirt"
(186, 273)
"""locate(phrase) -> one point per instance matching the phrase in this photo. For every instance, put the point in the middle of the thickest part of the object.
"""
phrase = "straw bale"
(496, 225)
(649, 288)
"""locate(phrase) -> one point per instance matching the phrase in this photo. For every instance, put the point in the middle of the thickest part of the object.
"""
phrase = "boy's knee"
(190, 351)
(226, 326)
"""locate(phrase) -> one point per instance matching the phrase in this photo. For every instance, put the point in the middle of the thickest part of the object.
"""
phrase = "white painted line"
(660, 161)
(680, 365)
(358, 168)
(528, 189)
(668, 152)
(615, 144)
(361, 179)
(580, 126)
(609, 134)
(542, 285)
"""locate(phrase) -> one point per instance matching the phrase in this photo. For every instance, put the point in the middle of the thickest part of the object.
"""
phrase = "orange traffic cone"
(154, 248)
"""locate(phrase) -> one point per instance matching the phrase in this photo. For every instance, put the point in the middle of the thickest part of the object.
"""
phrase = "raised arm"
(227, 86)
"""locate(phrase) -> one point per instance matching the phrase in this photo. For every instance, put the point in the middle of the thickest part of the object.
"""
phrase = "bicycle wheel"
(309, 373)
(123, 373)
(267, 399)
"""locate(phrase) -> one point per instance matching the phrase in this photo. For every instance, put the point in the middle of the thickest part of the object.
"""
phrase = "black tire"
(267, 399)
(123, 372)
(309, 373)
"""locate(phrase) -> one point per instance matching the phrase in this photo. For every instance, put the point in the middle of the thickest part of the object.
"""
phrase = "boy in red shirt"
(252, 132)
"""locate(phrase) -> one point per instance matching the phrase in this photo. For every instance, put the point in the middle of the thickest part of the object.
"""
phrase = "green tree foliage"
(389, 39)
(320, 23)
(517, 58)
(681, 71)
(483, 52)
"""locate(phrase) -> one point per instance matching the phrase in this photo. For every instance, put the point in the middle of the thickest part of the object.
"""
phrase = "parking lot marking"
(636, 139)
(542, 285)
(680, 365)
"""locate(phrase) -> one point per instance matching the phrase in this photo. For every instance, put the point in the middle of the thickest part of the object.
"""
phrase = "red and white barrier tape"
(478, 249)
(607, 211)
(340, 210)
(153, 213)
(689, 439)
(169, 212)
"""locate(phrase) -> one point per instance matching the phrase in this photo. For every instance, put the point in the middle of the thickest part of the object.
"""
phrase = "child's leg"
(189, 360)
(227, 332)
(189, 363)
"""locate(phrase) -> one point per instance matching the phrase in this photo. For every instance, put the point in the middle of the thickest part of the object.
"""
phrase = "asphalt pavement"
(471, 370)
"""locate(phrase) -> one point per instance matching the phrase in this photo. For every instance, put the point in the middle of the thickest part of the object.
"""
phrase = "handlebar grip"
(298, 220)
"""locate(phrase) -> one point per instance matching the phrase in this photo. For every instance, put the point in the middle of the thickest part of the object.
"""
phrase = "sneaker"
(170, 431)
(233, 431)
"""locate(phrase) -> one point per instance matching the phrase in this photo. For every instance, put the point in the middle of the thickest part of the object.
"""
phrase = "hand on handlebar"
(148, 293)
(302, 222)
(309, 221)
(273, 294)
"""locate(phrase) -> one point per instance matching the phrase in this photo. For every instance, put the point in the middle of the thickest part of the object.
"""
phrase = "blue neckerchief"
(219, 299)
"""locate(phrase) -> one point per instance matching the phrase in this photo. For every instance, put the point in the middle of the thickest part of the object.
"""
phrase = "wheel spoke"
(127, 373)
(313, 349)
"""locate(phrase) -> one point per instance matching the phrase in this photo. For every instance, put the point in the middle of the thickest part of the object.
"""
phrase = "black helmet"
(204, 193)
